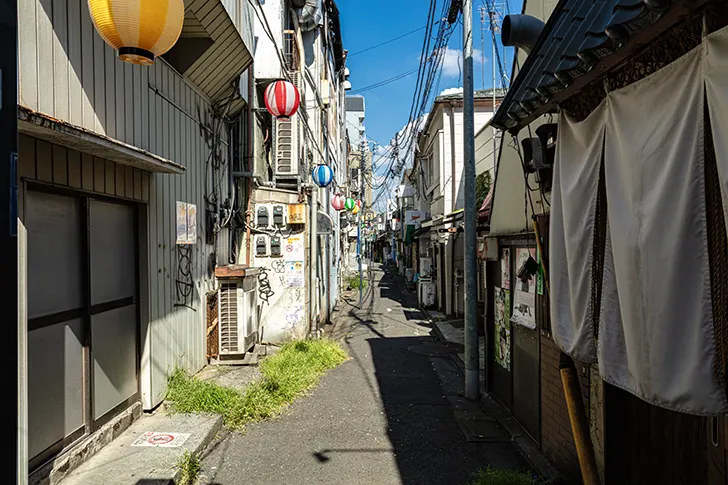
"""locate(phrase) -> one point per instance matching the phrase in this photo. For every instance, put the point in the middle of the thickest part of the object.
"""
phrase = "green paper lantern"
(349, 204)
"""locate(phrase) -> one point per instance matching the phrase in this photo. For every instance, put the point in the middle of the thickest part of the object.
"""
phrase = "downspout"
(250, 164)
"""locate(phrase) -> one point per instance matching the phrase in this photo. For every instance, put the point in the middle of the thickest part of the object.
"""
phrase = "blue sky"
(365, 24)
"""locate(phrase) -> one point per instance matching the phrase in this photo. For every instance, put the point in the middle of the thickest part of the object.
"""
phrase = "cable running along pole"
(472, 381)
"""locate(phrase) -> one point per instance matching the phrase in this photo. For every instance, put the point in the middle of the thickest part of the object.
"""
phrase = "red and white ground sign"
(161, 440)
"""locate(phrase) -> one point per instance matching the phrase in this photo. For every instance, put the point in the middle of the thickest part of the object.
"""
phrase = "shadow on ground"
(427, 443)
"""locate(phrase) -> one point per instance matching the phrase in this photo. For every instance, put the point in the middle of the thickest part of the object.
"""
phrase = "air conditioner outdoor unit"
(286, 144)
(238, 319)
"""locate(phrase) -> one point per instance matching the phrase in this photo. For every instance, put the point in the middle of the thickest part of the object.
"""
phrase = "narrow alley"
(380, 418)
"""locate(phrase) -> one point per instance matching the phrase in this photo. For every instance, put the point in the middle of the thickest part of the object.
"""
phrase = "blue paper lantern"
(322, 175)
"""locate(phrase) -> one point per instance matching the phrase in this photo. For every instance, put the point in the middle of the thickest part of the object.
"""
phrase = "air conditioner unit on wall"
(285, 142)
(238, 320)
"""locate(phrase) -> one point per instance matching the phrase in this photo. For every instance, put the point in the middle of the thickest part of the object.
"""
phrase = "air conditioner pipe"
(521, 31)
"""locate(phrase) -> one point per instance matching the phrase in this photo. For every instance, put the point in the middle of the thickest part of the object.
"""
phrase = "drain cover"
(434, 349)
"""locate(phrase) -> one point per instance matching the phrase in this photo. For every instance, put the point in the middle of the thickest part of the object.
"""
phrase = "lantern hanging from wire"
(349, 205)
(358, 203)
(282, 99)
(322, 175)
(338, 202)
(355, 210)
(139, 30)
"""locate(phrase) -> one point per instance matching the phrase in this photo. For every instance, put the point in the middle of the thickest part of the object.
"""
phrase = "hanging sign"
(502, 328)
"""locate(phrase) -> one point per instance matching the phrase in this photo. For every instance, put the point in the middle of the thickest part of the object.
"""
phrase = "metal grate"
(284, 146)
(229, 338)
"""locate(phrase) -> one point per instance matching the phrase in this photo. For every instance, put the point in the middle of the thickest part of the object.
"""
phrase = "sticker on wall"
(294, 274)
(293, 248)
(505, 265)
(186, 223)
(524, 292)
(157, 439)
(502, 328)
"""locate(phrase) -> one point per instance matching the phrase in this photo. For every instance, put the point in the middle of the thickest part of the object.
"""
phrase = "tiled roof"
(581, 39)
(479, 94)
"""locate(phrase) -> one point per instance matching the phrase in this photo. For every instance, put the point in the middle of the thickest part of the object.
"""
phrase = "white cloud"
(452, 61)
(449, 91)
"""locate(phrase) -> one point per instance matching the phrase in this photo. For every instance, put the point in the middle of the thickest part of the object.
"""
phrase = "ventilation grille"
(284, 146)
(229, 338)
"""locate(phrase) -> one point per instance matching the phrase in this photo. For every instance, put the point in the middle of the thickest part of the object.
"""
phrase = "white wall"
(267, 65)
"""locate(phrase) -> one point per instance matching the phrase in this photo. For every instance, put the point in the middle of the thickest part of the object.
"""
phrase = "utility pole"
(15, 428)
(359, 219)
(472, 360)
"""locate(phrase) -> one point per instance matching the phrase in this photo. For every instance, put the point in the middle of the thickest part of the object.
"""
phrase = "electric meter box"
(263, 219)
(279, 218)
(261, 246)
(275, 246)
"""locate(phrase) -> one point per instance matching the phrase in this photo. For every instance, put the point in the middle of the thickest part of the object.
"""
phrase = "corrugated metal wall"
(68, 72)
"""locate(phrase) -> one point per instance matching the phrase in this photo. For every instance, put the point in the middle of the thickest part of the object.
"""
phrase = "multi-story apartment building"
(301, 42)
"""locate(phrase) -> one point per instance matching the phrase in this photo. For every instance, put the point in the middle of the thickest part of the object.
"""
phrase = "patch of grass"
(288, 374)
(493, 476)
(189, 466)
(353, 282)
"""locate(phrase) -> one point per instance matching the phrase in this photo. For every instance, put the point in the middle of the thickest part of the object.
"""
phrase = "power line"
(386, 42)
(386, 81)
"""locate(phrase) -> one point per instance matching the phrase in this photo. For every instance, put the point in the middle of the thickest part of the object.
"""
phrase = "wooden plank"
(26, 157)
(120, 186)
(75, 59)
(99, 175)
(27, 55)
(99, 99)
(74, 168)
(46, 77)
(129, 182)
(138, 194)
(130, 100)
(44, 161)
(661, 441)
(60, 59)
(87, 171)
(144, 89)
(110, 91)
(88, 60)
(137, 107)
(689, 460)
(60, 165)
(146, 196)
(119, 85)
(110, 185)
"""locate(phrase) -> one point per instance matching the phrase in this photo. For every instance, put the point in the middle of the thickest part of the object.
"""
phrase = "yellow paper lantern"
(139, 30)
(355, 210)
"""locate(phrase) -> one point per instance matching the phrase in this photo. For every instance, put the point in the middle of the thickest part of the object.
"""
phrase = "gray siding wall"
(68, 72)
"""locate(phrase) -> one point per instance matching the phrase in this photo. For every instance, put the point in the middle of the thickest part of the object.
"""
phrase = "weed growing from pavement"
(493, 476)
(288, 374)
(353, 282)
(189, 466)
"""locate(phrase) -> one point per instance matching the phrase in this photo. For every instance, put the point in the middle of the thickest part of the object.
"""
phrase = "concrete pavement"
(380, 418)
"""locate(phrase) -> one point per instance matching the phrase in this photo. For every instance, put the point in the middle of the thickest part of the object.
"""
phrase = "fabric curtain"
(573, 211)
(656, 331)
(716, 85)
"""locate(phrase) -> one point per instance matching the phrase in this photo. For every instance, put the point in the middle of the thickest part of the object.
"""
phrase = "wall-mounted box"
(297, 213)
(279, 219)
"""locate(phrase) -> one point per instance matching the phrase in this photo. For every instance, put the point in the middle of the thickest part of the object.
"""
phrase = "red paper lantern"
(282, 99)
(358, 203)
(337, 202)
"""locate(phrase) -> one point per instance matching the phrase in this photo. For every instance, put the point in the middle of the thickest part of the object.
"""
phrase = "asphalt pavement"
(381, 418)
